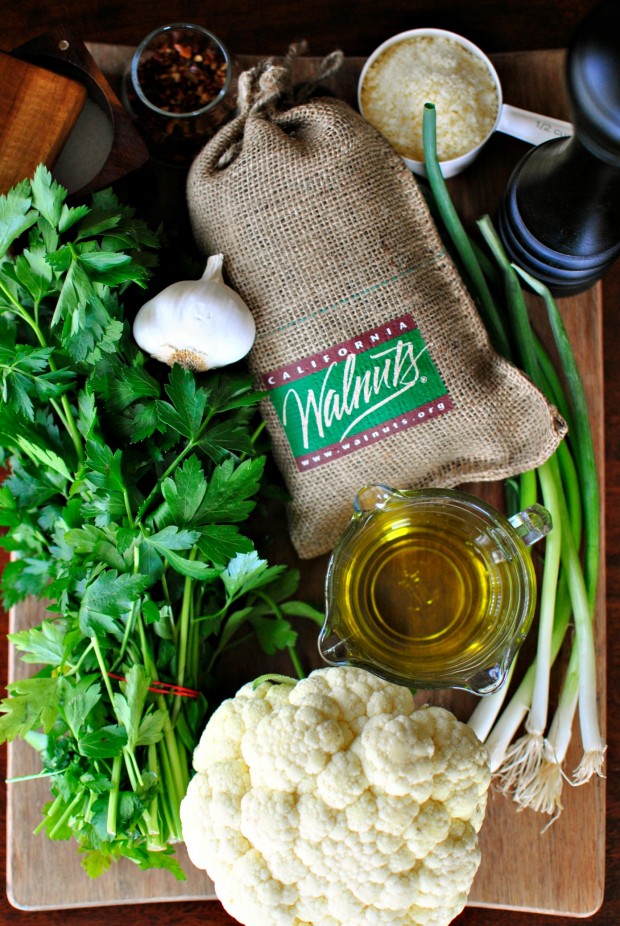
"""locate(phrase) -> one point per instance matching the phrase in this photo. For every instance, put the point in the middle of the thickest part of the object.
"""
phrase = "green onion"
(502, 733)
(528, 750)
(530, 767)
(580, 427)
(458, 234)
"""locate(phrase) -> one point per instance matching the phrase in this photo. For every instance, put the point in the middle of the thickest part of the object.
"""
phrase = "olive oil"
(431, 588)
(421, 590)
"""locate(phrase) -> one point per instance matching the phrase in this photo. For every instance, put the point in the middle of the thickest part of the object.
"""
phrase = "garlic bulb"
(200, 324)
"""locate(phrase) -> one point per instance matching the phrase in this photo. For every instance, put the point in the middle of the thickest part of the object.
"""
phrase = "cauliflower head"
(335, 801)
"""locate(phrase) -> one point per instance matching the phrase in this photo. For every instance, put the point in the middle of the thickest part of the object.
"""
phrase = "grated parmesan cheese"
(430, 69)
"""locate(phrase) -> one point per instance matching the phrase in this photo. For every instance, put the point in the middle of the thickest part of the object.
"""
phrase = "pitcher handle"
(532, 524)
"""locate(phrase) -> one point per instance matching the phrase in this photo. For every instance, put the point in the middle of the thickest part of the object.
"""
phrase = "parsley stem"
(234, 644)
(50, 813)
(130, 760)
(128, 506)
(184, 633)
(151, 813)
(175, 771)
(296, 661)
(130, 624)
(254, 437)
(21, 311)
(147, 657)
(72, 428)
(169, 790)
(146, 504)
(113, 798)
(166, 592)
(76, 667)
(44, 773)
(65, 815)
(133, 769)
(290, 646)
(129, 627)
(60, 412)
(102, 668)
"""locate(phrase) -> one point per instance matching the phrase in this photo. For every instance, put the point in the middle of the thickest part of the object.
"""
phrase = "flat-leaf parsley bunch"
(123, 507)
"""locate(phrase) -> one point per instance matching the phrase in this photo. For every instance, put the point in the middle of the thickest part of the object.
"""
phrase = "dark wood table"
(257, 28)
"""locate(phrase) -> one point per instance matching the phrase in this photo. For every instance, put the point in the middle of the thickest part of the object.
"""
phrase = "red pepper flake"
(183, 50)
(181, 76)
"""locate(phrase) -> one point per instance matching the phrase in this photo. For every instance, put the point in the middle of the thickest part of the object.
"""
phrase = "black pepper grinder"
(560, 216)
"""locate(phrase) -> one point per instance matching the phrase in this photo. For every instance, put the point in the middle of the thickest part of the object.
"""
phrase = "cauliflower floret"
(336, 801)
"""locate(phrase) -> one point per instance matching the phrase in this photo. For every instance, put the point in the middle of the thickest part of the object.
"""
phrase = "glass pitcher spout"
(374, 498)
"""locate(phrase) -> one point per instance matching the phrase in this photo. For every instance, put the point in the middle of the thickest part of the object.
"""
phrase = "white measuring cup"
(519, 123)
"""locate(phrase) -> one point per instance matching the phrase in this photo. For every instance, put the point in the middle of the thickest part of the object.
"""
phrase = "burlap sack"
(375, 361)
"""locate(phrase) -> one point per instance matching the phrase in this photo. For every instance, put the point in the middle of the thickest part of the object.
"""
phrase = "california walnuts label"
(356, 393)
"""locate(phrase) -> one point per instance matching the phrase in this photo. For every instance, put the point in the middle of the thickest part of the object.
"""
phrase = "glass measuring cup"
(511, 120)
(431, 588)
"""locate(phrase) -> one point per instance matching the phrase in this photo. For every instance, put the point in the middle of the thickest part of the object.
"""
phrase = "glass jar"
(180, 87)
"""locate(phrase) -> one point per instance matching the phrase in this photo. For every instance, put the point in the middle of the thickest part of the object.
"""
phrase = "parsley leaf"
(185, 491)
(33, 703)
(16, 215)
(106, 600)
(184, 412)
(42, 644)
(230, 490)
(78, 700)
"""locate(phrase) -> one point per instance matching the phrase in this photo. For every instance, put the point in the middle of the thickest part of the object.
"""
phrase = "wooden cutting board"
(557, 870)
(38, 109)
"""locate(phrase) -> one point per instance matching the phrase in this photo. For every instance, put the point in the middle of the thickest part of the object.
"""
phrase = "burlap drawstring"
(268, 86)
